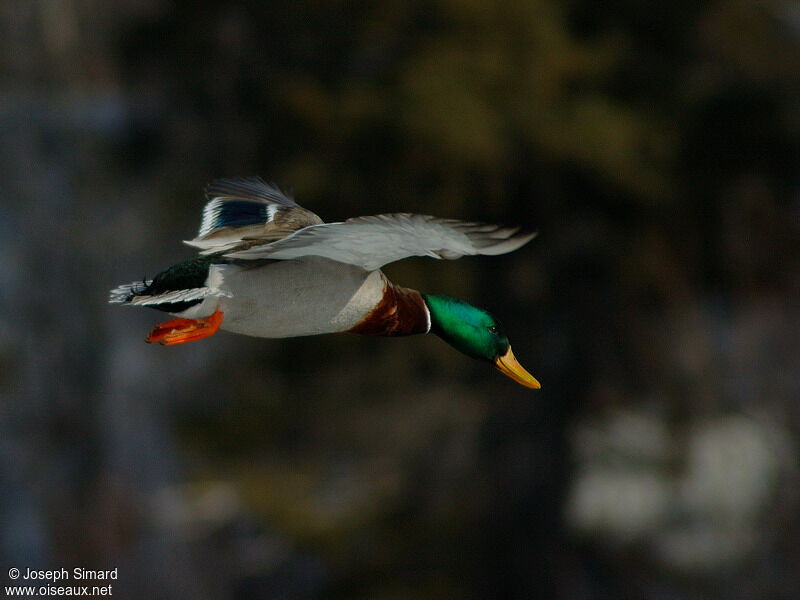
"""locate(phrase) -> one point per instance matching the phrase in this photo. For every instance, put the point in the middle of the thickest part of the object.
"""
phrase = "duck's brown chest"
(401, 311)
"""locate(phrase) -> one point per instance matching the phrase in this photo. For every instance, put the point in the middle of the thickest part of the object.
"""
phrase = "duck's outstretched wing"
(371, 242)
(244, 212)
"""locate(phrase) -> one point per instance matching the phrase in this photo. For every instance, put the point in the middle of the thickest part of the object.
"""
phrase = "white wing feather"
(371, 242)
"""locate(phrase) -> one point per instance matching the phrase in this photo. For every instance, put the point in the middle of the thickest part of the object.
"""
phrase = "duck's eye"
(493, 329)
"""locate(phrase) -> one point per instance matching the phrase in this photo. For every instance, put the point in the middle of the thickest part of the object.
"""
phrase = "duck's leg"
(180, 331)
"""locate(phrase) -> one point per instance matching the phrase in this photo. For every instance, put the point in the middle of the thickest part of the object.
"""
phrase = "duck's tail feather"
(125, 293)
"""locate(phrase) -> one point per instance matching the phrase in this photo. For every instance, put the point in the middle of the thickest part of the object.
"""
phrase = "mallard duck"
(269, 268)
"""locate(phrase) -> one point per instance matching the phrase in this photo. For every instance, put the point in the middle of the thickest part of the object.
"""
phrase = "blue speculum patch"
(238, 213)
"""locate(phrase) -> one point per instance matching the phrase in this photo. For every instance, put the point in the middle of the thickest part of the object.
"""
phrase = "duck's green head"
(476, 333)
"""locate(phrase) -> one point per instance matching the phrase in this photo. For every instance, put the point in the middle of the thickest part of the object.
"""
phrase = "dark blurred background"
(655, 147)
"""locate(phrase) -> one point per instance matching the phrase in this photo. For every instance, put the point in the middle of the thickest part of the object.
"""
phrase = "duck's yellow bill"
(508, 365)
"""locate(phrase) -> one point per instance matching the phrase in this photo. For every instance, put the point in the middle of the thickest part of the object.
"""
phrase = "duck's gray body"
(306, 296)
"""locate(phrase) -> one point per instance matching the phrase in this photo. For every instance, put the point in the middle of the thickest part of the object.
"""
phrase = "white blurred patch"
(623, 505)
(696, 502)
(732, 464)
(704, 546)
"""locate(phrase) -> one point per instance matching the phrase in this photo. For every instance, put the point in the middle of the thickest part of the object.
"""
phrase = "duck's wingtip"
(508, 244)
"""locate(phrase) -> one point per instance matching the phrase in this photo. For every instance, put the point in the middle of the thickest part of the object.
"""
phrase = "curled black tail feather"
(185, 277)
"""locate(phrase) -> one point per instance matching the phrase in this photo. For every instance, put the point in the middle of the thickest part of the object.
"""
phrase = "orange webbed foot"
(181, 331)
(164, 329)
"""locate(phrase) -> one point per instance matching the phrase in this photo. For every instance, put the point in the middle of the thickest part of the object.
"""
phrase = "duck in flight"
(269, 268)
